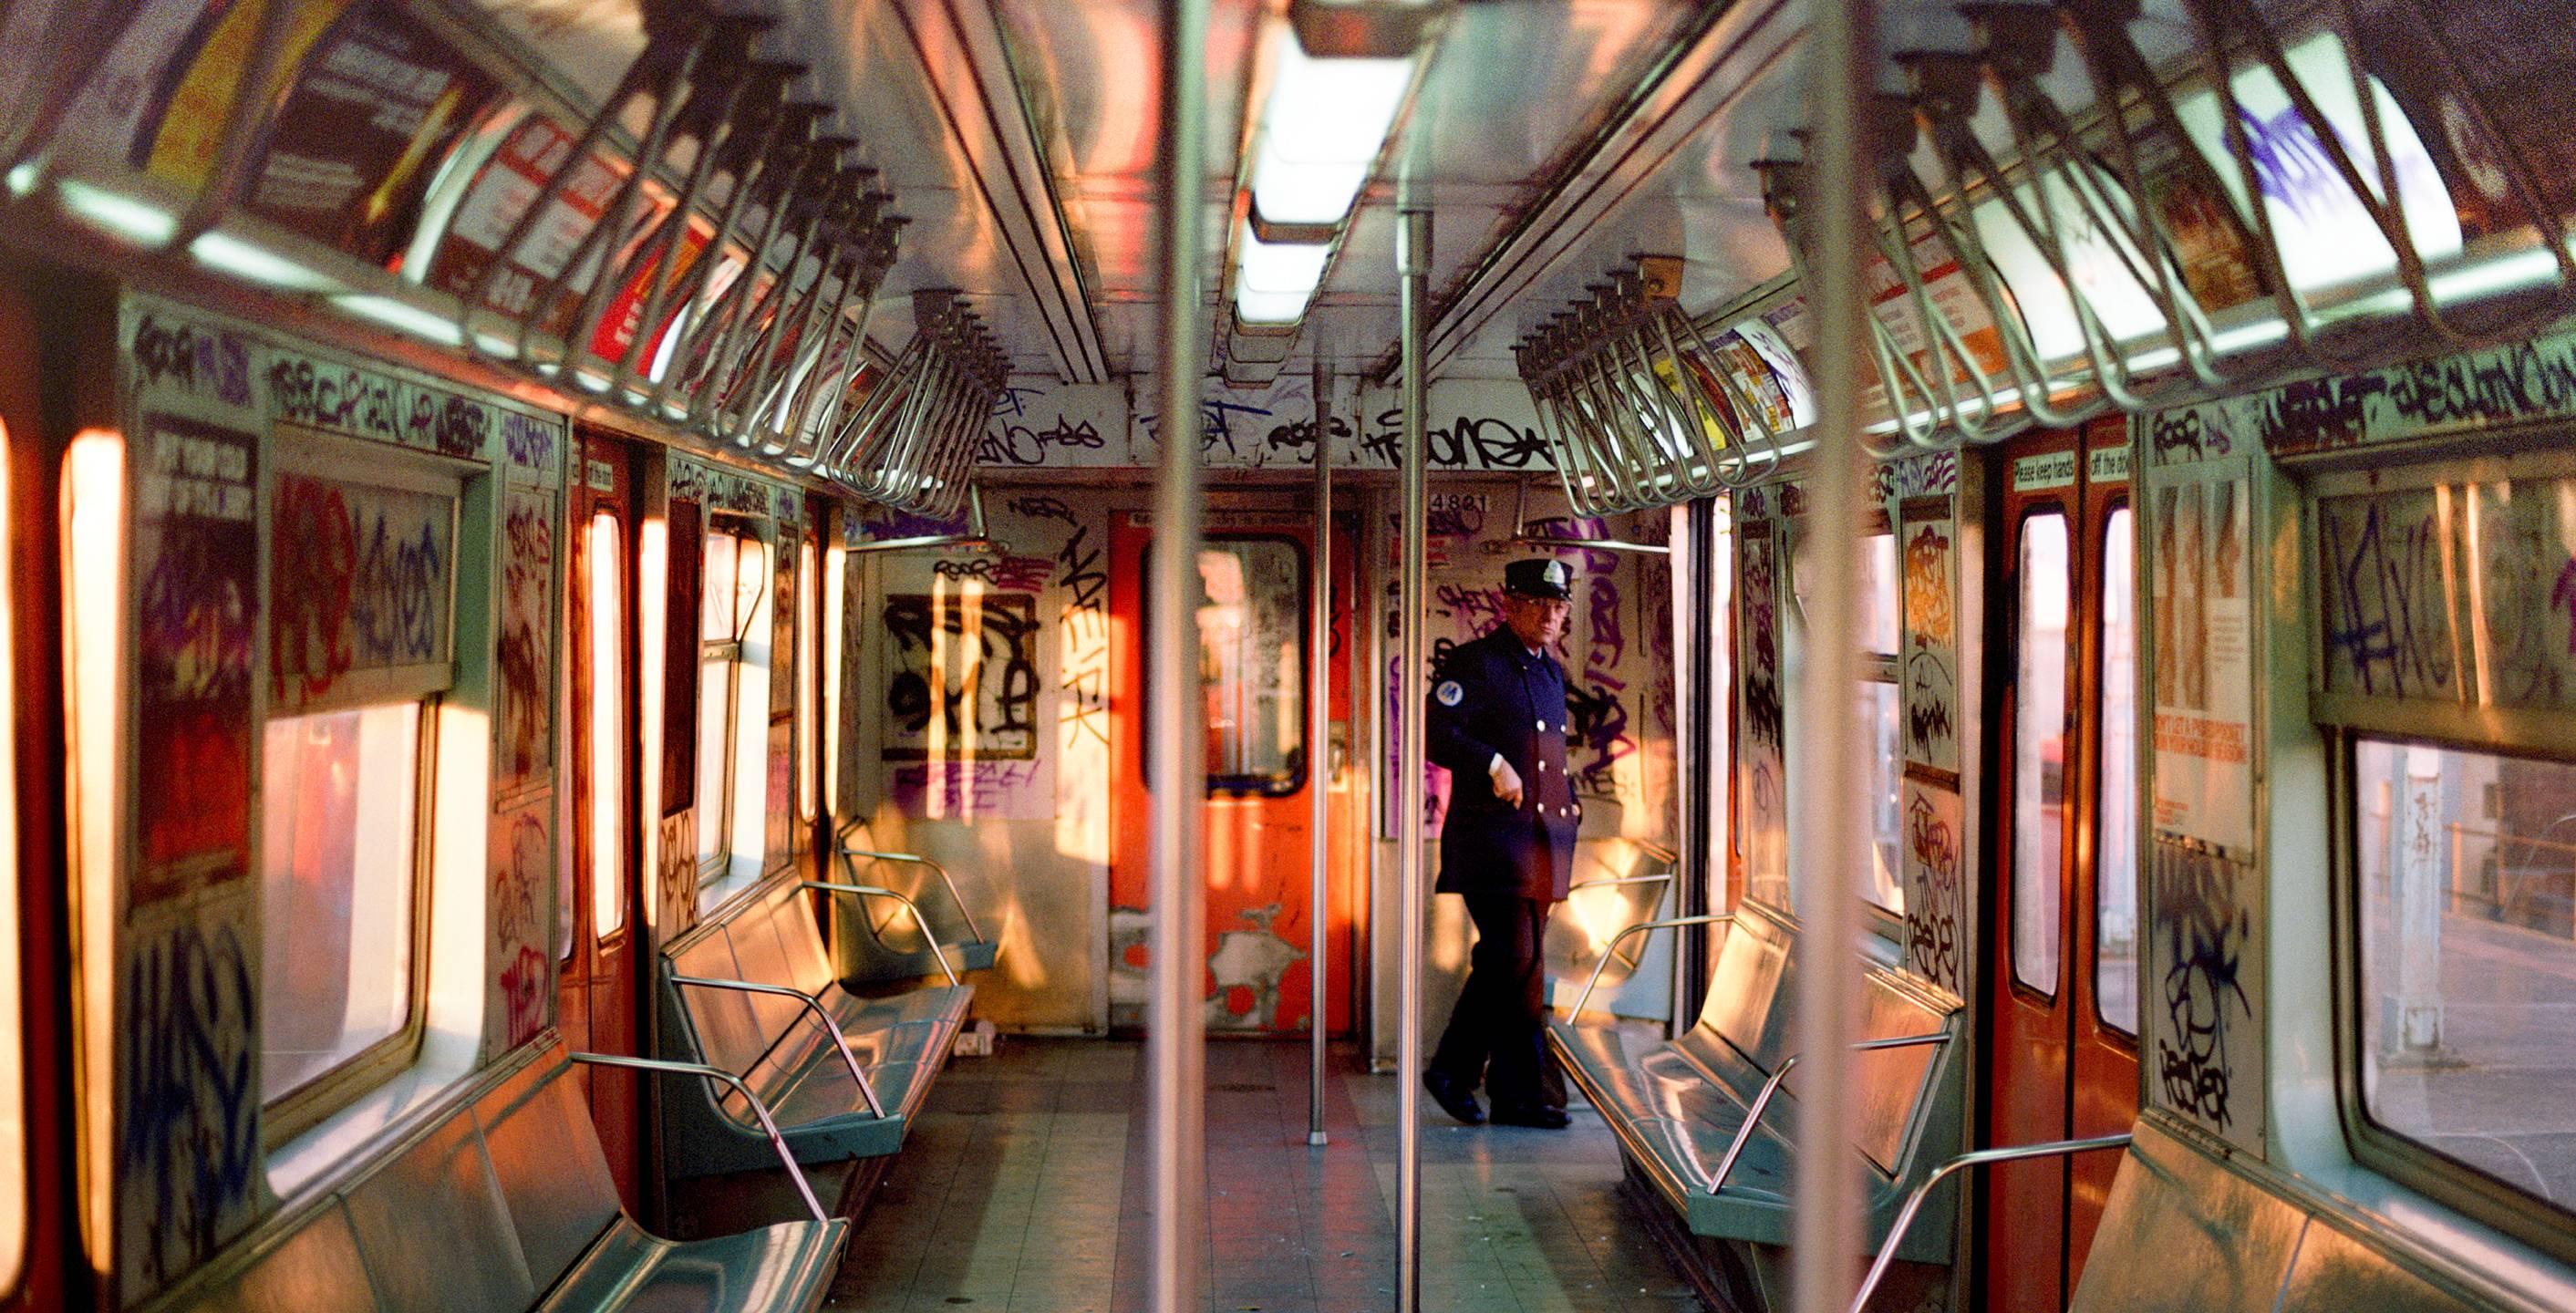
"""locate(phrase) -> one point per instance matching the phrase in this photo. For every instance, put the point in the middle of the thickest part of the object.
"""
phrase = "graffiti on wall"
(2207, 1057)
(675, 879)
(1931, 655)
(525, 650)
(188, 1150)
(962, 680)
(524, 907)
(1934, 899)
(361, 579)
(2395, 572)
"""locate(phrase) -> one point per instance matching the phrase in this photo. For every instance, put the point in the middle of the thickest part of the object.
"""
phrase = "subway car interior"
(2053, 523)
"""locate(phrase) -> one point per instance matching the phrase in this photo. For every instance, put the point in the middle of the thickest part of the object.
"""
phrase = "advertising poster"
(376, 110)
(196, 552)
(2199, 536)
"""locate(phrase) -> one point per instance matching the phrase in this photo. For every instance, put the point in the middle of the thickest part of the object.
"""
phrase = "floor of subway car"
(1022, 1187)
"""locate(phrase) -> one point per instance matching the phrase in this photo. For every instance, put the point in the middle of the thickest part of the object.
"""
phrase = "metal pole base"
(1316, 1139)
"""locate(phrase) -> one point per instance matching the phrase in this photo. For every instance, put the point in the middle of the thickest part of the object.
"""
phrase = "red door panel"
(601, 981)
(2058, 1067)
(1258, 810)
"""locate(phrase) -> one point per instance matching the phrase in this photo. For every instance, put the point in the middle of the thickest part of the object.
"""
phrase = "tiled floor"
(1019, 1189)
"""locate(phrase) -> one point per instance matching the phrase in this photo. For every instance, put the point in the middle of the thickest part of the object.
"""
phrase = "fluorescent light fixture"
(402, 315)
(1274, 281)
(258, 264)
(1321, 129)
(123, 215)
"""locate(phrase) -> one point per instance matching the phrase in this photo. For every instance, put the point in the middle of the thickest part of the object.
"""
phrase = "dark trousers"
(1497, 1031)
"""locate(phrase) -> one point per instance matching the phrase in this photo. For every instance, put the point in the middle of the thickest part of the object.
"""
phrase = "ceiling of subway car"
(1551, 140)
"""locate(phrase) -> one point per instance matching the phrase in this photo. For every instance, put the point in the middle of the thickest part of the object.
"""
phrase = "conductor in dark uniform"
(1496, 720)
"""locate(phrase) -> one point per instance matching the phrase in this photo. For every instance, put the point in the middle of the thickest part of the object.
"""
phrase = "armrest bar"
(813, 1005)
(1979, 1158)
(1717, 918)
(758, 1108)
(972, 930)
(1771, 1087)
(873, 891)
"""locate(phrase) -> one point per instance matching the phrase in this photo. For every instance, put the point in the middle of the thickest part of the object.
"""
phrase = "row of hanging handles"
(773, 362)
(2164, 264)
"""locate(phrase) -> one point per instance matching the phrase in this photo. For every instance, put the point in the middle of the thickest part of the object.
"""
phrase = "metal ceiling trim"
(1596, 177)
(1008, 163)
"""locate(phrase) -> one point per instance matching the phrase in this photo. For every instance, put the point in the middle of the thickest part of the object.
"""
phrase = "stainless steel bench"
(750, 992)
(893, 941)
(503, 1202)
(1710, 1119)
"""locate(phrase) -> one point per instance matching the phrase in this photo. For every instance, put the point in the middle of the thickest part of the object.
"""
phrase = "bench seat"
(783, 1050)
(863, 950)
(1676, 1107)
(502, 1202)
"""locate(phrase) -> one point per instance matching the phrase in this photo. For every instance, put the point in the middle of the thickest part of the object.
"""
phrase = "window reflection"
(2466, 865)
(2039, 751)
(2115, 844)
(1252, 663)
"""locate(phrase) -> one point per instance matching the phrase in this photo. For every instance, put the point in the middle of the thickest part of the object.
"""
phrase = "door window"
(1252, 664)
(13, 1073)
(2039, 750)
(2115, 828)
(732, 606)
(607, 553)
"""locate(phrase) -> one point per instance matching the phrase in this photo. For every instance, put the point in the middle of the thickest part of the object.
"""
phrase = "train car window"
(2115, 845)
(2039, 750)
(608, 746)
(732, 652)
(808, 640)
(13, 1071)
(2444, 674)
(2467, 882)
(1882, 882)
(340, 879)
(358, 662)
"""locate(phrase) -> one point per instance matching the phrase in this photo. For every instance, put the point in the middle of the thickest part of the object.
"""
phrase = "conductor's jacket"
(1493, 696)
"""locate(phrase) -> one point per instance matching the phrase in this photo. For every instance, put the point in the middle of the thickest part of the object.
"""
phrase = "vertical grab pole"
(1176, 1035)
(1412, 263)
(1319, 753)
(1825, 793)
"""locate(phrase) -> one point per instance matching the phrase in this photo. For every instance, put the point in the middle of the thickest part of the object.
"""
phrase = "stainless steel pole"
(1176, 1036)
(1413, 264)
(1319, 748)
(1826, 814)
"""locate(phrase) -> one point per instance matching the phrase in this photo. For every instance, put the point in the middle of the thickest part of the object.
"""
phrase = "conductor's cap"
(1538, 577)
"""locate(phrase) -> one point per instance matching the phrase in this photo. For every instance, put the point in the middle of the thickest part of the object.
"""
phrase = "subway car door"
(1253, 631)
(2061, 1013)
(600, 984)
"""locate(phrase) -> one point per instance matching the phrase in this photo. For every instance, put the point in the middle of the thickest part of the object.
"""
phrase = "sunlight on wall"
(13, 1080)
(93, 655)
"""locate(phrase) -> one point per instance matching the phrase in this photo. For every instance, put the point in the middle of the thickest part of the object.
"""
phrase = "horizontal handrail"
(758, 1108)
(1714, 918)
(1977, 1158)
(1771, 1087)
(972, 930)
(866, 1091)
(875, 891)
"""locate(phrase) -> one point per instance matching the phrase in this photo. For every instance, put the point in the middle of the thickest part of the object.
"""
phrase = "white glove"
(1507, 782)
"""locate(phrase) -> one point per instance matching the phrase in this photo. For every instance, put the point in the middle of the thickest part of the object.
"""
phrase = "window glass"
(2039, 750)
(2467, 872)
(338, 880)
(607, 726)
(1884, 882)
(2115, 842)
(1252, 663)
(735, 607)
(1878, 594)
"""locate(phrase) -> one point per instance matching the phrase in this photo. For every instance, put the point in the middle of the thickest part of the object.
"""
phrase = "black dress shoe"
(1545, 1119)
(1453, 1099)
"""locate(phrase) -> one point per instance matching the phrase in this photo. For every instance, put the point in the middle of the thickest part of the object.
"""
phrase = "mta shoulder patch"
(1450, 693)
